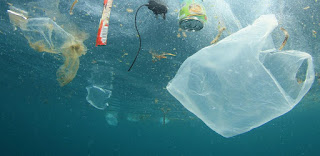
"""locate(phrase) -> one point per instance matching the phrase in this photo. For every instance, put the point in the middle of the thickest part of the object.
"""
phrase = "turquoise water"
(38, 117)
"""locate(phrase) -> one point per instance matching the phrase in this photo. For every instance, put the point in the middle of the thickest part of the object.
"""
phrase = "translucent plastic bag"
(234, 86)
(100, 88)
(44, 35)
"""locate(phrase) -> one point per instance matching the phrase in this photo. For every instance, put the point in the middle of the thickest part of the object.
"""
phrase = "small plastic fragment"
(157, 57)
(285, 39)
(71, 9)
(215, 40)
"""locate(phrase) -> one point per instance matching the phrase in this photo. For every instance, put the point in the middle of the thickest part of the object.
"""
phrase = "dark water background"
(38, 117)
(40, 123)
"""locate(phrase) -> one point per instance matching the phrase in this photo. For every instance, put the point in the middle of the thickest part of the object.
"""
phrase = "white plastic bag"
(234, 86)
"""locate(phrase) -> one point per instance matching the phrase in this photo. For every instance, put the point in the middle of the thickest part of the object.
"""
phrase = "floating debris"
(285, 39)
(71, 9)
(164, 119)
(129, 10)
(184, 34)
(299, 81)
(104, 24)
(125, 54)
(314, 33)
(157, 57)
(216, 39)
(70, 46)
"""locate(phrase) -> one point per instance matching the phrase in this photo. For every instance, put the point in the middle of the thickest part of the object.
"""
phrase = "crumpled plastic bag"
(236, 85)
(45, 35)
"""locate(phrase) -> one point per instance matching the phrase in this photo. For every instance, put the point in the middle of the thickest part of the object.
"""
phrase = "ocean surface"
(38, 117)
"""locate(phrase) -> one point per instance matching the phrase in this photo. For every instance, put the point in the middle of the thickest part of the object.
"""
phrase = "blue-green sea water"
(40, 118)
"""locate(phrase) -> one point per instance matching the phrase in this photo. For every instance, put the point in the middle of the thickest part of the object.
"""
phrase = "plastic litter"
(44, 35)
(133, 117)
(164, 120)
(72, 6)
(104, 23)
(192, 15)
(237, 85)
(100, 88)
(98, 97)
(112, 118)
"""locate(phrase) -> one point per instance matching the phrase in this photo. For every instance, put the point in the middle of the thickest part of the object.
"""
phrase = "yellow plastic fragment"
(215, 40)
(71, 9)
(129, 10)
(306, 8)
(285, 39)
